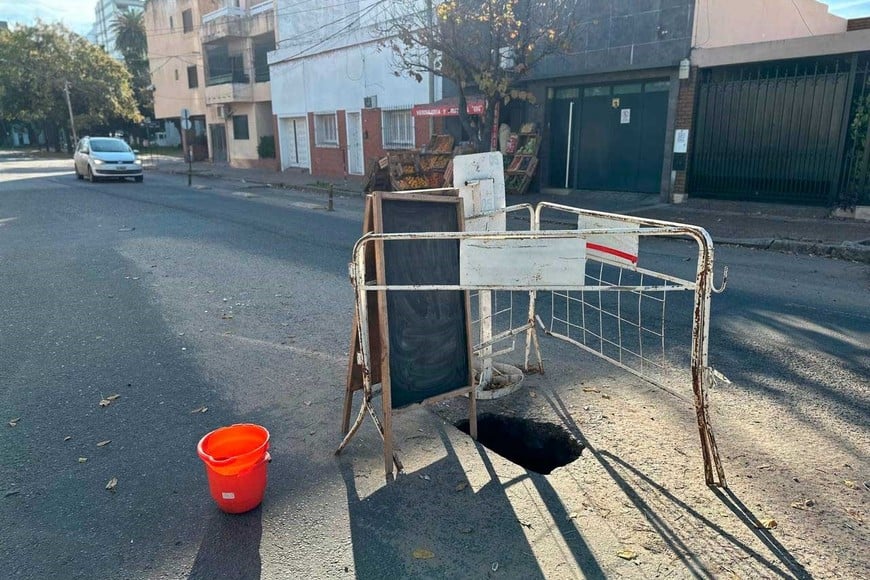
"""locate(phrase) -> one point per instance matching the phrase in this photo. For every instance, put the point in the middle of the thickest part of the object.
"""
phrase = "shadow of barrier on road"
(469, 520)
(230, 547)
(697, 533)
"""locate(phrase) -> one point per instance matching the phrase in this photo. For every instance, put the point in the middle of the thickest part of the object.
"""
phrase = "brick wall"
(421, 132)
(373, 145)
(332, 161)
(684, 117)
(329, 161)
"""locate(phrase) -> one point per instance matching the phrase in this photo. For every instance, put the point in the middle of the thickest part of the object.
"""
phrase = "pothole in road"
(534, 445)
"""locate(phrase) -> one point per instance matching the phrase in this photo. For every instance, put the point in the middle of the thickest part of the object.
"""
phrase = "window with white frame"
(398, 129)
(325, 130)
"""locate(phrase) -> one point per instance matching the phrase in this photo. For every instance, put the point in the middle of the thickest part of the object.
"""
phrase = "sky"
(79, 14)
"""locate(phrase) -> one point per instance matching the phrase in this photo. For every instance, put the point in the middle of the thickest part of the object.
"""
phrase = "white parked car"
(106, 158)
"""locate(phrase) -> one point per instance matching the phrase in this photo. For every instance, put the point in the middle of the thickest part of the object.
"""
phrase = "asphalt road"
(237, 300)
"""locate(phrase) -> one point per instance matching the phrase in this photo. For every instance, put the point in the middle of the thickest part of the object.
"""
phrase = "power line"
(165, 31)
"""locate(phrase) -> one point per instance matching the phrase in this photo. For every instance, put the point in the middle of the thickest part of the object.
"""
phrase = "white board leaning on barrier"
(620, 249)
(480, 180)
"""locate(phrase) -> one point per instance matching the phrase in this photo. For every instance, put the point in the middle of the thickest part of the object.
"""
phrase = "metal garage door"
(609, 137)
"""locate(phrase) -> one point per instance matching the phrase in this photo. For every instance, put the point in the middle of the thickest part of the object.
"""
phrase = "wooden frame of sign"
(443, 333)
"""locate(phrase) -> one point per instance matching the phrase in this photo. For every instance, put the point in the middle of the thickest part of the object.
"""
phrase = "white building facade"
(337, 102)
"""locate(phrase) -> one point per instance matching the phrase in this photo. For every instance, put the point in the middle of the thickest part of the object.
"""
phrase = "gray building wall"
(618, 35)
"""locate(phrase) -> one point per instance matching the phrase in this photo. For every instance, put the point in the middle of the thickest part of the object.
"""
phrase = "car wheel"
(78, 175)
(138, 178)
(89, 175)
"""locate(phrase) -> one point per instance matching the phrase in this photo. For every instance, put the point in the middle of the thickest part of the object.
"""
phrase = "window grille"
(398, 129)
(325, 130)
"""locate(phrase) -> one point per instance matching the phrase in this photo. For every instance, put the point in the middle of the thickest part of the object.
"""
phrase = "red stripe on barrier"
(612, 251)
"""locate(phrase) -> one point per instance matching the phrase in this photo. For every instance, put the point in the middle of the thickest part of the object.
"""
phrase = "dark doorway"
(609, 137)
(218, 143)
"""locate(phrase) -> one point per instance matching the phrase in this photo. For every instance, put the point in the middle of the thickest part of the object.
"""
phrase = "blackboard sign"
(427, 331)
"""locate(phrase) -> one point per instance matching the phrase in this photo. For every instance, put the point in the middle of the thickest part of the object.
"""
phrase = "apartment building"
(176, 65)
(105, 12)
(208, 60)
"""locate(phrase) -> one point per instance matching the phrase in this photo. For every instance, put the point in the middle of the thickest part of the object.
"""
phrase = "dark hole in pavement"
(536, 446)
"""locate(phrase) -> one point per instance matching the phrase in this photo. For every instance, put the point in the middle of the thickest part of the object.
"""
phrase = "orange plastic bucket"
(236, 460)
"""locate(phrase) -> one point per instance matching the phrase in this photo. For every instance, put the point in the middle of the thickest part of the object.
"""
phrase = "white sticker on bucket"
(228, 495)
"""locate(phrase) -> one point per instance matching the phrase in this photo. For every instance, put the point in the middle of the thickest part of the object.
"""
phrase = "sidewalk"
(779, 227)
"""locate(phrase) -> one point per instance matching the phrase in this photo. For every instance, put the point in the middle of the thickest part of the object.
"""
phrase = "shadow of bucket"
(236, 460)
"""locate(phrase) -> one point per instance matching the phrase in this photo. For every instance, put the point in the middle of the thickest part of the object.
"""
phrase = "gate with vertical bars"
(789, 131)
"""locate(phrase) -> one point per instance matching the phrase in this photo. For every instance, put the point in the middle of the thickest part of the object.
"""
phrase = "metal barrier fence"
(616, 308)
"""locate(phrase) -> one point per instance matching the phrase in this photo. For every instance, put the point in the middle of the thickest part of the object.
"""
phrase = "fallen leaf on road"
(426, 477)
(14, 422)
(82, 459)
(112, 483)
(105, 402)
(765, 466)
(855, 515)
(572, 516)
(850, 484)
(465, 530)
(605, 396)
(421, 554)
(590, 390)
(533, 394)
(803, 504)
(113, 397)
(461, 486)
(627, 554)
(11, 493)
(67, 438)
(768, 523)
(202, 409)
(494, 567)
(104, 443)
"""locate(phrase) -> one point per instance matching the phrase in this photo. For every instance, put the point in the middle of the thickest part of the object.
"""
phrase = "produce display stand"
(434, 159)
(522, 159)
(428, 168)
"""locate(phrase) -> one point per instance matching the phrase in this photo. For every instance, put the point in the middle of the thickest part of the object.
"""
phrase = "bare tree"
(485, 46)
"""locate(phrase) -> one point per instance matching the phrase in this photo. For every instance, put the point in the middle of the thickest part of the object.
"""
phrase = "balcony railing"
(261, 74)
(237, 77)
(228, 11)
(236, 22)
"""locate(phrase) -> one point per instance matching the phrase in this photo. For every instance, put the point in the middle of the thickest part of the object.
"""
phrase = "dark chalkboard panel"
(427, 331)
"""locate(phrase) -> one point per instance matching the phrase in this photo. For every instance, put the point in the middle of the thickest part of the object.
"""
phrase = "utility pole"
(431, 63)
(72, 122)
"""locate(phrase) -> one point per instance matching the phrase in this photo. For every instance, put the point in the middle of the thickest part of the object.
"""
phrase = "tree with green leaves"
(38, 62)
(128, 28)
(485, 46)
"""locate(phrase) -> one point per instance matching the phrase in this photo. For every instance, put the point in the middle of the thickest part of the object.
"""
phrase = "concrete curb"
(272, 185)
(849, 251)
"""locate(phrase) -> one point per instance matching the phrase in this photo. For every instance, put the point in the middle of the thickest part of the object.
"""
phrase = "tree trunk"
(473, 132)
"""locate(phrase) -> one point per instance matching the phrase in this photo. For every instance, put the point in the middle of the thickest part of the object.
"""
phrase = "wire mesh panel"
(635, 320)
